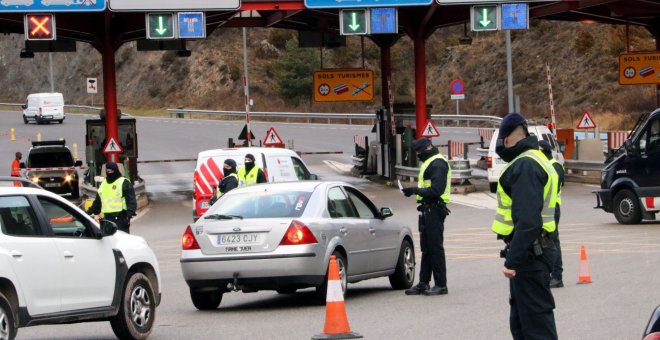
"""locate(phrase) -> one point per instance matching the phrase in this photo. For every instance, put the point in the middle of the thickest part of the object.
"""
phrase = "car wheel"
(25, 120)
(7, 322)
(322, 290)
(206, 300)
(404, 275)
(493, 187)
(137, 310)
(627, 209)
(75, 191)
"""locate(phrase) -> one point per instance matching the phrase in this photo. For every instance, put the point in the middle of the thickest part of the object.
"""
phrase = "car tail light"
(298, 233)
(188, 241)
(490, 162)
(652, 336)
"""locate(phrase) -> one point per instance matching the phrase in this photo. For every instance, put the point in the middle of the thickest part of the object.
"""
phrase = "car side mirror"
(78, 163)
(24, 106)
(108, 228)
(313, 177)
(385, 213)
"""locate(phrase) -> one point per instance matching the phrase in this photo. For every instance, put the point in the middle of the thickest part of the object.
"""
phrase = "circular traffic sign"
(324, 89)
(456, 86)
(629, 72)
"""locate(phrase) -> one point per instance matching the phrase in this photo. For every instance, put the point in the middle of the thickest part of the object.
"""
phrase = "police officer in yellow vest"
(250, 173)
(433, 188)
(526, 199)
(115, 199)
(558, 266)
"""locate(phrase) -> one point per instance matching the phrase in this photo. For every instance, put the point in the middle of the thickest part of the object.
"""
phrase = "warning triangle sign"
(272, 138)
(113, 146)
(586, 122)
(430, 130)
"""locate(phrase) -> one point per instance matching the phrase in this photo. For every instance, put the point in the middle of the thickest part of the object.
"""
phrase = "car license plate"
(51, 185)
(242, 238)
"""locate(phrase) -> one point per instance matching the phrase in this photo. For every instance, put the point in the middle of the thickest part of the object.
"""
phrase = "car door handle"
(343, 230)
(16, 254)
(68, 254)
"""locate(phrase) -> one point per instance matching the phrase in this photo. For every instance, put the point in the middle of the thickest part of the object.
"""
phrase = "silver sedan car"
(280, 236)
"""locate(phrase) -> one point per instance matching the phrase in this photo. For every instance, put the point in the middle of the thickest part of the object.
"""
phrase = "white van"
(44, 107)
(496, 164)
(279, 165)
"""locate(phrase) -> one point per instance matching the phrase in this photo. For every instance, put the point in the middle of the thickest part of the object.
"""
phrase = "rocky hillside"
(583, 60)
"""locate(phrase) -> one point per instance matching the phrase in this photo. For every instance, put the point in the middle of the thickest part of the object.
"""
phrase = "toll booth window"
(64, 221)
(50, 159)
(17, 217)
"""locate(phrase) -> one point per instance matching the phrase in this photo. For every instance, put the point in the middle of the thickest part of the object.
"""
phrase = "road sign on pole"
(639, 68)
(92, 85)
(430, 130)
(343, 85)
(191, 25)
(384, 20)
(112, 147)
(484, 18)
(40, 27)
(515, 16)
(586, 122)
(272, 138)
(160, 25)
(354, 21)
(456, 86)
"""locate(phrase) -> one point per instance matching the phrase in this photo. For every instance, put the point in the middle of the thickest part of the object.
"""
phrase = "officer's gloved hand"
(409, 191)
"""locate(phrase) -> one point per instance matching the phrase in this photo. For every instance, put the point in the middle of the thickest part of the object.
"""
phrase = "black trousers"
(532, 304)
(123, 222)
(558, 264)
(431, 241)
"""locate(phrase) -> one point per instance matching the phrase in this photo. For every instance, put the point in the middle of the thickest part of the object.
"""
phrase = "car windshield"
(266, 204)
(50, 159)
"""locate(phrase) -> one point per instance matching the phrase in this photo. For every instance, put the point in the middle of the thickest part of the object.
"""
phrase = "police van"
(279, 165)
(630, 180)
(51, 165)
(497, 164)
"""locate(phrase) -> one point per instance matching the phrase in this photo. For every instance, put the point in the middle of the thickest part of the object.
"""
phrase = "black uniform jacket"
(129, 195)
(437, 173)
(523, 181)
(228, 183)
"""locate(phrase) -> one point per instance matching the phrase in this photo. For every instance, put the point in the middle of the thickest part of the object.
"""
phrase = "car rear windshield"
(50, 159)
(262, 205)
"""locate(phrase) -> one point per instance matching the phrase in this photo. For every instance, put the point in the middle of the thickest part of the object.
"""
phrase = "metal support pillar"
(109, 86)
(420, 83)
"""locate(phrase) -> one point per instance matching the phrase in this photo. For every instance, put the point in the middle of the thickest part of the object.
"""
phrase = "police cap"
(509, 123)
(421, 144)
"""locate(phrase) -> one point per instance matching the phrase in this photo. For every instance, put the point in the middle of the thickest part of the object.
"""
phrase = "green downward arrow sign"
(354, 25)
(161, 30)
(484, 18)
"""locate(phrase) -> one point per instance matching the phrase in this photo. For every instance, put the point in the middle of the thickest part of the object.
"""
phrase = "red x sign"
(39, 27)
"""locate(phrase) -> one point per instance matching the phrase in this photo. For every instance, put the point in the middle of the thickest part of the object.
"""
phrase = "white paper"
(400, 186)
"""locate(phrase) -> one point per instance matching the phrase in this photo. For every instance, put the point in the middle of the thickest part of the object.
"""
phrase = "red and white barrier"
(615, 139)
(207, 177)
(455, 149)
(487, 134)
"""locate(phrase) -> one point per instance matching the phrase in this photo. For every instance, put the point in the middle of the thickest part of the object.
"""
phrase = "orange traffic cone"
(583, 268)
(336, 321)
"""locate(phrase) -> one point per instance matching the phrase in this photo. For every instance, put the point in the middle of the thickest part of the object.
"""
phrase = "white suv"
(57, 265)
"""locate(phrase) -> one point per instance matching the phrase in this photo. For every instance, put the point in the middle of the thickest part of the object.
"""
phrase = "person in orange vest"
(16, 168)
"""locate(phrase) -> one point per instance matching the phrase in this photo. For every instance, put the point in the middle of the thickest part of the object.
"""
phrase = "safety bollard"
(75, 151)
(38, 136)
(12, 137)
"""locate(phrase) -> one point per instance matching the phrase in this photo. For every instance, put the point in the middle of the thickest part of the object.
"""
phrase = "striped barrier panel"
(360, 141)
(615, 139)
(455, 149)
(487, 134)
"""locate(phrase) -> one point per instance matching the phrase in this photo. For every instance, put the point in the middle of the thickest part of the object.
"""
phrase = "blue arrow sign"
(28, 6)
(364, 3)
(191, 25)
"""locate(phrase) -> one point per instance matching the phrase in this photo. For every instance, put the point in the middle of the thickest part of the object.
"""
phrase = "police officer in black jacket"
(558, 265)
(433, 188)
(527, 192)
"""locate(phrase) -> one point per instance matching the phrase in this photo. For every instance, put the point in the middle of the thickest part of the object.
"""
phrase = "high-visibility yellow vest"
(220, 193)
(111, 196)
(503, 223)
(553, 162)
(245, 180)
(422, 183)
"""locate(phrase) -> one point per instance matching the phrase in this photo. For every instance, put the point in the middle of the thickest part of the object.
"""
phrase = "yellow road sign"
(343, 85)
(639, 68)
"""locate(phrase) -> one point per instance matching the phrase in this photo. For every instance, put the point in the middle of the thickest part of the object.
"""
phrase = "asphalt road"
(623, 265)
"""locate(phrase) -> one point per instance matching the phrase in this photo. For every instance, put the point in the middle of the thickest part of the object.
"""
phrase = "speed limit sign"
(324, 89)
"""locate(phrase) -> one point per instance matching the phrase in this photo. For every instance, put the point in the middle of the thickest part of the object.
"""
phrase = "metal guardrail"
(460, 169)
(571, 164)
(82, 107)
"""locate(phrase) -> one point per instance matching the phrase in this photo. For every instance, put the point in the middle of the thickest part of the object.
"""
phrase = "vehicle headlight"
(35, 179)
(67, 178)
